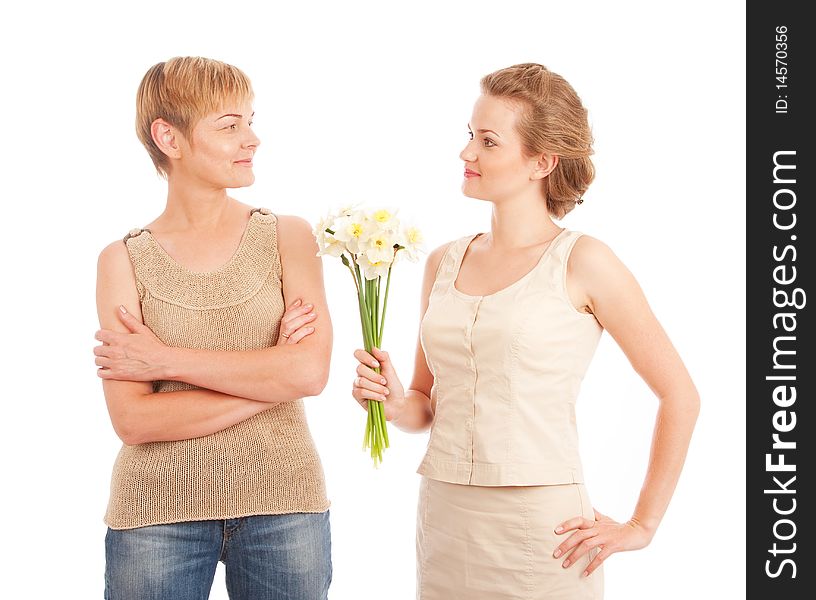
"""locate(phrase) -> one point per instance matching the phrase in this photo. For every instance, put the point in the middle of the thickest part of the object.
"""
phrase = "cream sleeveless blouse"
(507, 368)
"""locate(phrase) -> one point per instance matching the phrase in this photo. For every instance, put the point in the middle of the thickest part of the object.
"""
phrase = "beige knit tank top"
(507, 368)
(264, 465)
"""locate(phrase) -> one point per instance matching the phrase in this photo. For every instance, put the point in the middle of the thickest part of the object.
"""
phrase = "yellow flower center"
(381, 216)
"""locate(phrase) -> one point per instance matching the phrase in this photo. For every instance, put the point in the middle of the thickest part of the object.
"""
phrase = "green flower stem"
(372, 320)
(385, 306)
(367, 430)
(384, 425)
(367, 340)
(371, 298)
(377, 334)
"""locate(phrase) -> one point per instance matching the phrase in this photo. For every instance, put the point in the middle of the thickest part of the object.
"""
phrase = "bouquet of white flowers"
(369, 242)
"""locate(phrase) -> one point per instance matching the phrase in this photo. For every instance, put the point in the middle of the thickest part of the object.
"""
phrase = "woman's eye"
(489, 143)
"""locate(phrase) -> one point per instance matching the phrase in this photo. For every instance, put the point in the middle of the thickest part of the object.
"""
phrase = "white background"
(369, 102)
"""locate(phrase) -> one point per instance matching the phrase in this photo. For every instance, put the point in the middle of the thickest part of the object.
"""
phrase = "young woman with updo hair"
(510, 320)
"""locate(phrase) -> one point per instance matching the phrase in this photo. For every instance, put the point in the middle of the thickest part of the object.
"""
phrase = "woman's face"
(221, 147)
(495, 163)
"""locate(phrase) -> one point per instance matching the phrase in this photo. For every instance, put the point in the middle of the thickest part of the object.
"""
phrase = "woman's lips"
(469, 173)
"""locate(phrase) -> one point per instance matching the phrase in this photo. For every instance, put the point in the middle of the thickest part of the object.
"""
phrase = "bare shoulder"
(293, 223)
(115, 285)
(295, 235)
(597, 278)
(114, 259)
(592, 257)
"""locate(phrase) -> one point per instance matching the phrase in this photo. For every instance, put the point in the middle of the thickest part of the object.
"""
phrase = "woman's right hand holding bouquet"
(384, 386)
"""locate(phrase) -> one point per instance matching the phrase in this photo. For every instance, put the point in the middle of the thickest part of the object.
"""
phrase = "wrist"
(406, 417)
(647, 525)
(171, 363)
(397, 409)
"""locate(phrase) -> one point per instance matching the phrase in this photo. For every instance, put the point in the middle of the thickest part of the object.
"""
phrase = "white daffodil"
(411, 240)
(372, 270)
(348, 210)
(333, 247)
(353, 230)
(380, 246)
(319, 230)
(385, 219)
(326, 242)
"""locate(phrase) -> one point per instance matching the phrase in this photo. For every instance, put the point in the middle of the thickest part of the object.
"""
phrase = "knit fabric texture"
(264, 465)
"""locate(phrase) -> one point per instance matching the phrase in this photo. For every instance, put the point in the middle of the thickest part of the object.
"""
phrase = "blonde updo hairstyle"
(181, 91)
(553, 121)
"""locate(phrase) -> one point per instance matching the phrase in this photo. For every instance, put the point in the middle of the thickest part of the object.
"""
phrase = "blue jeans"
(280, 557)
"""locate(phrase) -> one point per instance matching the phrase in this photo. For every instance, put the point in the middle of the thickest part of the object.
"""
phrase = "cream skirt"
(497, 543)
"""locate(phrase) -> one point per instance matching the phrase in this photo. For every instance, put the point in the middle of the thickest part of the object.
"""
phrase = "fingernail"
(566, 563)
(387, 392)
(557, 553)
(585, 574)
(559, 529)
(123, 309)
(376, 363)
(297, 302)
(309, 305)
(383, 381)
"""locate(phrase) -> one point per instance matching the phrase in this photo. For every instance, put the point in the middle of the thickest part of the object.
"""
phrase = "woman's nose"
(467, 154)
(252, 140)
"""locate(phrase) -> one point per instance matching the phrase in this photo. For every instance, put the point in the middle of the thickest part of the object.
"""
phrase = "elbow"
(131, 440)
(315, 378)
(128, 425)
(694, 405)
(685, 405)
(130, 436)
(315, 381)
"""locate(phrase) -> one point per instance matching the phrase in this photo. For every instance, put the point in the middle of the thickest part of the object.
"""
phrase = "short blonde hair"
(554, 121)
(181, 91)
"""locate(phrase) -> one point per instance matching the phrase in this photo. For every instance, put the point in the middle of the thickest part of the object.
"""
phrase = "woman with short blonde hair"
(215, 326)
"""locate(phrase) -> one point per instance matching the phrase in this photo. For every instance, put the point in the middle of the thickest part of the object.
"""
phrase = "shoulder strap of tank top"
(562, 247)
(553, 270)
(237, 279)
(449, 265)
(267, 242)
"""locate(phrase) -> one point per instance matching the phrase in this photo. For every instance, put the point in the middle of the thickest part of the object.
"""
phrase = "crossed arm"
(237, 385)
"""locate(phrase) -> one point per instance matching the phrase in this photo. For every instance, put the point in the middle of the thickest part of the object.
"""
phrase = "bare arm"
(284, 372)
(137, 413)
(601, 282)
(412, 410)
